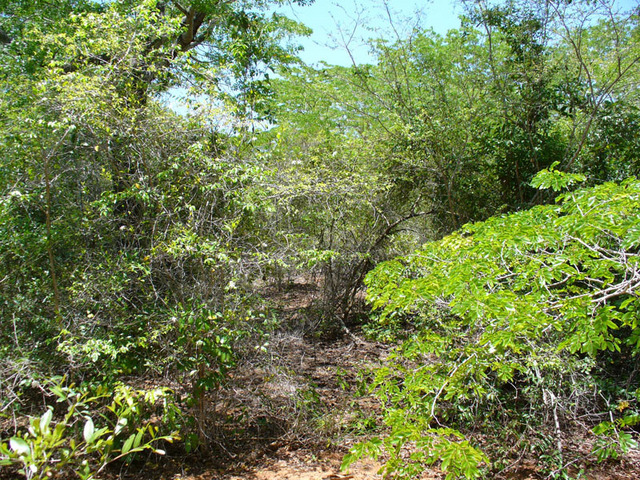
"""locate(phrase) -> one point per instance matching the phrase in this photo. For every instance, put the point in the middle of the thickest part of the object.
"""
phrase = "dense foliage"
(520, 319)
(128, 233)
(166, 163)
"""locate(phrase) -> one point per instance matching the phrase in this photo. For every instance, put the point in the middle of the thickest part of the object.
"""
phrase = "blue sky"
(336, 23)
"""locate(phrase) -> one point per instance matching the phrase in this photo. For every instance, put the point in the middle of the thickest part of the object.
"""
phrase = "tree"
(516, 322)
(335, 198)
(118, 214)
(468, 119)
(555, 67)
(128, 233)
(456, 126)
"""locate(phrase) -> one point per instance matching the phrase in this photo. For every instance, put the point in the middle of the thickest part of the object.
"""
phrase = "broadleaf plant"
(520, 321)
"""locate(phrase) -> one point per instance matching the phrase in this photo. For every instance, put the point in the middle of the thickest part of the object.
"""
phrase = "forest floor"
(296, 413)
(305, 441)
(293, 412)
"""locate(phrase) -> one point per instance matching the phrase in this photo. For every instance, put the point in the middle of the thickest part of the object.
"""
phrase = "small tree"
(522, 321)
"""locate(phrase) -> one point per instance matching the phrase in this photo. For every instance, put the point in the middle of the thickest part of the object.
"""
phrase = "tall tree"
(115, 210)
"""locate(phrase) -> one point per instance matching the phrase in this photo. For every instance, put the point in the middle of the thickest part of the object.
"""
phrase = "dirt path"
(327, 373)
(293, 413)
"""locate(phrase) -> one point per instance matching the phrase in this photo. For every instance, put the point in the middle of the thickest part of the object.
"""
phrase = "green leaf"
(19, 446)
(138, 438)
(555, 179)
(45, 420)
(632, 238)
(128, 443)
(88, 431)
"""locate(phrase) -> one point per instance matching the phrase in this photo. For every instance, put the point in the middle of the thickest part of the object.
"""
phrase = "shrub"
(514, 320)
(97, 429)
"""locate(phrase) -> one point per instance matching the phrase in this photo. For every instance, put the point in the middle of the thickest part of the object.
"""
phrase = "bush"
(515, 320)
(97, 429)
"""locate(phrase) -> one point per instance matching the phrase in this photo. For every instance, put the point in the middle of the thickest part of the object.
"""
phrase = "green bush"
(514, 322)
(98, 428)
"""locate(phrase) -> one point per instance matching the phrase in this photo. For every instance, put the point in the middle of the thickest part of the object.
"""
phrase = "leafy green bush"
(98, 428)
(514, 321)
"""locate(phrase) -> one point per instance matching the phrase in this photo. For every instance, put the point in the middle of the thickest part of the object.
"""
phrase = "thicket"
(130, 235)
(524, 325)
(156, 175)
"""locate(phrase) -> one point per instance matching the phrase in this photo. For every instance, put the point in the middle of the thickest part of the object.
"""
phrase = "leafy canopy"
(512, 317)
